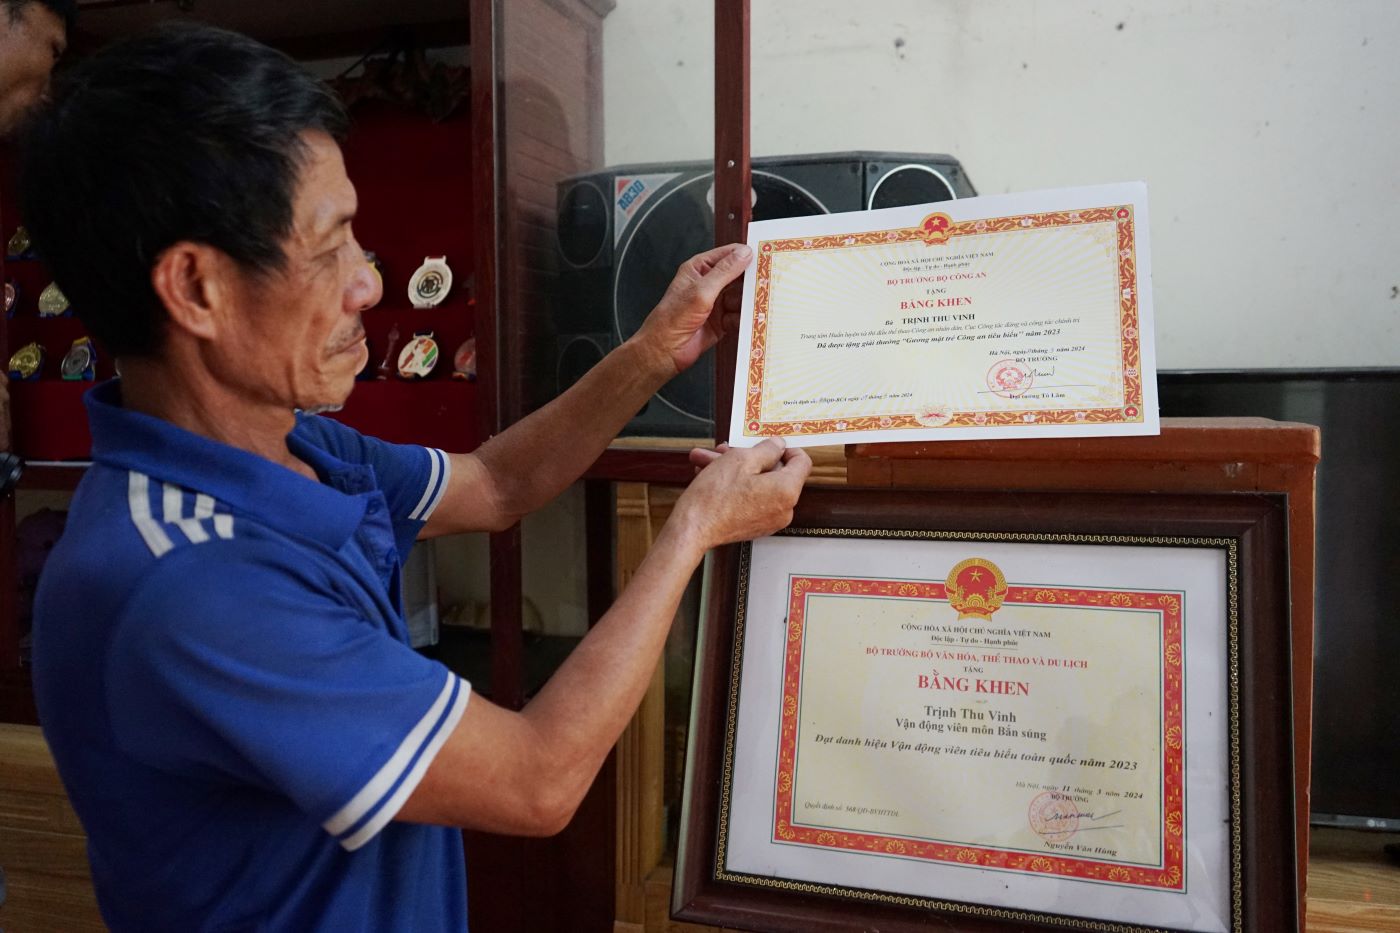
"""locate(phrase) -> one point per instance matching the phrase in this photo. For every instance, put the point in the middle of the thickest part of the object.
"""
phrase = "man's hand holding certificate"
(1024, 315)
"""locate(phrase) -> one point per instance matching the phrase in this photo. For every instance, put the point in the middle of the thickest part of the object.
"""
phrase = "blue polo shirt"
(224, 675)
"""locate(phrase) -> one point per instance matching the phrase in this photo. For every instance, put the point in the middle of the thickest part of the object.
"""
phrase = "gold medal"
(19, 244)
(27, 361)
(52, 301)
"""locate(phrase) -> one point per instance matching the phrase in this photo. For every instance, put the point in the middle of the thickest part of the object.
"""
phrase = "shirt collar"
(243, 481)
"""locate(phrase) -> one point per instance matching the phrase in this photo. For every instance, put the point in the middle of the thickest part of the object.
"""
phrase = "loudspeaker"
(622, 233)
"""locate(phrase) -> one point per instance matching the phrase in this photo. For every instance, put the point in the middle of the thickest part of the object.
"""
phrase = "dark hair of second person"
(111, 175)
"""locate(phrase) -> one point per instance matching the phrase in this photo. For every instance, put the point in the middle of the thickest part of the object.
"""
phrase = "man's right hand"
(741, 493)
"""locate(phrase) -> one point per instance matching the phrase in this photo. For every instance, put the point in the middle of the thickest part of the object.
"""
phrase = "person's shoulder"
(145, 555)
(205, 577)
(125, 524)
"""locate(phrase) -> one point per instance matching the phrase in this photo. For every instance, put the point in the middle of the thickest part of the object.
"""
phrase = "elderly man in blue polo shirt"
(221, 660)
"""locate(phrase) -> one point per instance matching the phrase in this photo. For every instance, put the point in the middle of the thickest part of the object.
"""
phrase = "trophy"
(387, 366)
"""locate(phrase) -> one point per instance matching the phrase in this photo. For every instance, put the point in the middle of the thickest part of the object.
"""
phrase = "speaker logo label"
(630, 193)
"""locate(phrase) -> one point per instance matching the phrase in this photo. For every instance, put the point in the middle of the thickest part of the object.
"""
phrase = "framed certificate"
(998, 710)
(1020, 315)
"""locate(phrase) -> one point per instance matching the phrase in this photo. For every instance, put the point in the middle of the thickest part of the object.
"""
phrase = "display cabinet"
(458, 159)
(49, 425)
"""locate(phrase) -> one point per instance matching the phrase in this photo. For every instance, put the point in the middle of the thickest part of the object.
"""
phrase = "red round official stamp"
(1010, 379)
(1054, 816)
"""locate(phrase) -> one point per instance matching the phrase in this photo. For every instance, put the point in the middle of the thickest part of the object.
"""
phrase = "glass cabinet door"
(607, 140)
(604, 184)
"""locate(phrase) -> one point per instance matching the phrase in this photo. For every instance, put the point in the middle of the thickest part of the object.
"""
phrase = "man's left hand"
(684, 323)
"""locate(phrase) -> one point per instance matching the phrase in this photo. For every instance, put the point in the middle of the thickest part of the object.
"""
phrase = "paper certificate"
(1006, 687)
(1024, 315)
(988, 722)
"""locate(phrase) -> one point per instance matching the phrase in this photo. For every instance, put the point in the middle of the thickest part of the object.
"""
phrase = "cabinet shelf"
(50, 423)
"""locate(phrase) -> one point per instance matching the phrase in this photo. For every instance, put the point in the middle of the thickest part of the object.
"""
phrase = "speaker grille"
(910, 184)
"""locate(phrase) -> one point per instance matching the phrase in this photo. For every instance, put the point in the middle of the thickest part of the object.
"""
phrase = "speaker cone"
(910, 184)
(583, 224)
(577, 357)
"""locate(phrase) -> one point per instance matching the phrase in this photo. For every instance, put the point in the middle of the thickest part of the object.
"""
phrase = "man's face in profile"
(298, 338)
(32, 39)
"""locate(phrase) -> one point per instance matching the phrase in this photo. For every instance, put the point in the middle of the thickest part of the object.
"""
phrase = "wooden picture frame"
(1253, 878)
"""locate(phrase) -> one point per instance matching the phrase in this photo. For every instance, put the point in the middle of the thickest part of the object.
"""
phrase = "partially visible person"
(33, 37)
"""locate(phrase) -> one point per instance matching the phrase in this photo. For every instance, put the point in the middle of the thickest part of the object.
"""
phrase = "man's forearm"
(611, 668)
(539, 762)
(535, 459)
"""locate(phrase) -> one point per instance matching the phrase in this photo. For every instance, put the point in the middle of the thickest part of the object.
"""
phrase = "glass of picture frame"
(996, 711)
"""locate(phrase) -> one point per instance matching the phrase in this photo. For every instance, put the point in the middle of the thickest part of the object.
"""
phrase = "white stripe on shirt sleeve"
(442, 485)
(394, 804)
(378, 785)
(434, 471)
(439, 475)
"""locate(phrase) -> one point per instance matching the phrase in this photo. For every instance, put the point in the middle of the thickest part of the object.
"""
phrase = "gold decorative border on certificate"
(940, 229)
(1169, 875)
(723, 874)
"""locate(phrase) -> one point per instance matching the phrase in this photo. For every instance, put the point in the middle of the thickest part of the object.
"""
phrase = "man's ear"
(197, 284)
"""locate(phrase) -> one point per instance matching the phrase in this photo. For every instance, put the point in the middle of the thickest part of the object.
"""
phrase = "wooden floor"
(42, 847)
(1353, 886)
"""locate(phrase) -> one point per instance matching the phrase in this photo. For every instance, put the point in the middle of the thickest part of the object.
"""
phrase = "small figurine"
(386, 368)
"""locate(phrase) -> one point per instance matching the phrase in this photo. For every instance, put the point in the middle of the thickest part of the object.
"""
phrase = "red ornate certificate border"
(939, 229)
(1171, 876)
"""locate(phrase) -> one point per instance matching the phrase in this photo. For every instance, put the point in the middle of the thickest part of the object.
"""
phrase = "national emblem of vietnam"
(976, 589)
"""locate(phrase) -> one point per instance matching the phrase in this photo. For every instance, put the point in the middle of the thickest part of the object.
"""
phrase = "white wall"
(1265, 129)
